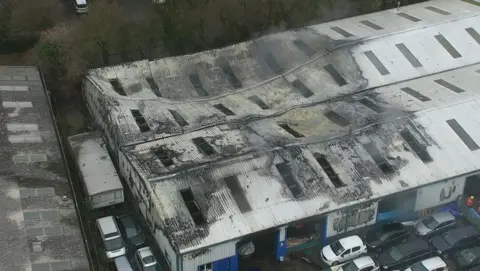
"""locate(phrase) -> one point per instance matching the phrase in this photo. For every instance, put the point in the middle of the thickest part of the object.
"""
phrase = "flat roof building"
(38, 221)
(223, 144)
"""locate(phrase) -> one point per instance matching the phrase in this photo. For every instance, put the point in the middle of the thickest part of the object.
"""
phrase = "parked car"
(403, 255)
(343, 250)
(468, 258)
(111, 237)
(430, 264)
(434, 224)
(458, 238)
(145, 260)
(131, 231)
(386, 235)
(364, 263)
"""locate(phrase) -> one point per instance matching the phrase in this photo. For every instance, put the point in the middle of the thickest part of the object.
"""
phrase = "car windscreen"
(351, 266)
(395, 253)
(337, 248)
(430, 222)
(468, 255)
(419, 267)
(450, 238)
(113, 244)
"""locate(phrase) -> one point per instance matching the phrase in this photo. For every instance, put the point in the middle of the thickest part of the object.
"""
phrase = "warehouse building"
(312, 132)
(39, 225)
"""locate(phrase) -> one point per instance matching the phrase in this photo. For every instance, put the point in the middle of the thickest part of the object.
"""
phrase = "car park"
(468, 258)
(131, 231)
(386, 235)
(455, 239)
(365, 263)
(111, 237)
(430, 264)
(434, 224)
(145, 260)
(403, 255)
(343, 250)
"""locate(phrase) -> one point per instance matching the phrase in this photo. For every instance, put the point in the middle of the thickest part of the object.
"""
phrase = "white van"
(81, 6)
(111, 237)
(122, 264)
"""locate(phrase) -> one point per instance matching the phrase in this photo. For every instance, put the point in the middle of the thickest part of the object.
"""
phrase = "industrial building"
(39, 225)
(332, 127)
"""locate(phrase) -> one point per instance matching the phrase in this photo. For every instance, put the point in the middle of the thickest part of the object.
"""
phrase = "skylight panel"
(290, 130)
(286, 173)
(301, 88)
(376, 63)
(117, 86)
(237, 192)
(204, 146)
(192, 207)
(163, 156)
(332, 175)
(336, 118)
(140, 120)
(197, 84)
(231, 77)
(335, 75)
(254, 99)
(447, 46)
(153, 86)
(341, 31)
(178, 118)
(224, 109)
(302, 46)
(462, 134)
(273, 63)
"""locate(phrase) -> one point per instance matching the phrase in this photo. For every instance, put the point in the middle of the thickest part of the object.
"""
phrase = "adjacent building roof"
(39, 228)
(94, 163)
(297, 124)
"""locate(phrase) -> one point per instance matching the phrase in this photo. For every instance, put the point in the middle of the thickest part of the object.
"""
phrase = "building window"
(205, 267)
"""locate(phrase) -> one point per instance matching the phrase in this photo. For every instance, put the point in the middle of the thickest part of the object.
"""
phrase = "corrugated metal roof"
(348, 103)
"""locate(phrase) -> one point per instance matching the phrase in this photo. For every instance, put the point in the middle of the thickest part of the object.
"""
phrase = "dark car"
(459, 238)
(131, 232)
(386, 235)
(404, 255)
(468, 258)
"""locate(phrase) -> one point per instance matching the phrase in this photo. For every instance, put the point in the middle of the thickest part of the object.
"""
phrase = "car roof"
(107, 225)
(474, 250)
(393, 226)
(126, 220)
(465, 231)
(443, 216)
(351, 241)
(144, 252)
(363, 261)
(433, 263)
(413, 245)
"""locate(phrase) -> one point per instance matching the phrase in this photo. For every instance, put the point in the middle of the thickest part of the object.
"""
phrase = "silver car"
(145, 260)
(434, 224)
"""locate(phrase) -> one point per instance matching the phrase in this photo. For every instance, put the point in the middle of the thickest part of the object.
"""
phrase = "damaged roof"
(297, 124)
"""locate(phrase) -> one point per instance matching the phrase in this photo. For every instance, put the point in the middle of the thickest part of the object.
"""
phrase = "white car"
(364, 263)
(145, 260)
(431, 264)
(343, 250)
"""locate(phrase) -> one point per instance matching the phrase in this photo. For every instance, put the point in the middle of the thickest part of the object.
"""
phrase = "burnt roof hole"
(254, 99)
(224, 109)
(204, 146)
(332, 175)
(140, 120)
(163, 156)
(416, 146)
(231, 77)
(372, 105)
(178, 118)
(236, 190)
(197, 84)
(290, 130)
(153, 86)
(286, 173)
(379, 159)
(192, 207)
(301, 88)
(117, 86)
(336, 118)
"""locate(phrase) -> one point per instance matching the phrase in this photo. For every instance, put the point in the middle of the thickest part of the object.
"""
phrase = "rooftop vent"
(178, 118)
(204, 146)
(418, 148)
(290, 130)
(153, 86)
(332, 175)
(231, 77)
(288, 178)
(301, 88)
(117, 87)
(237, 193)
(462, 134)
(163, 156)
(224, 109)
(336, 118)
(254, 99)
(379, 159)
(197, 84)
(140, 120)
(192, 207)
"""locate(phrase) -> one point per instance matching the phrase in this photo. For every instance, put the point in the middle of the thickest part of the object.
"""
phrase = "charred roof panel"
(237, 193)
(287, 176)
